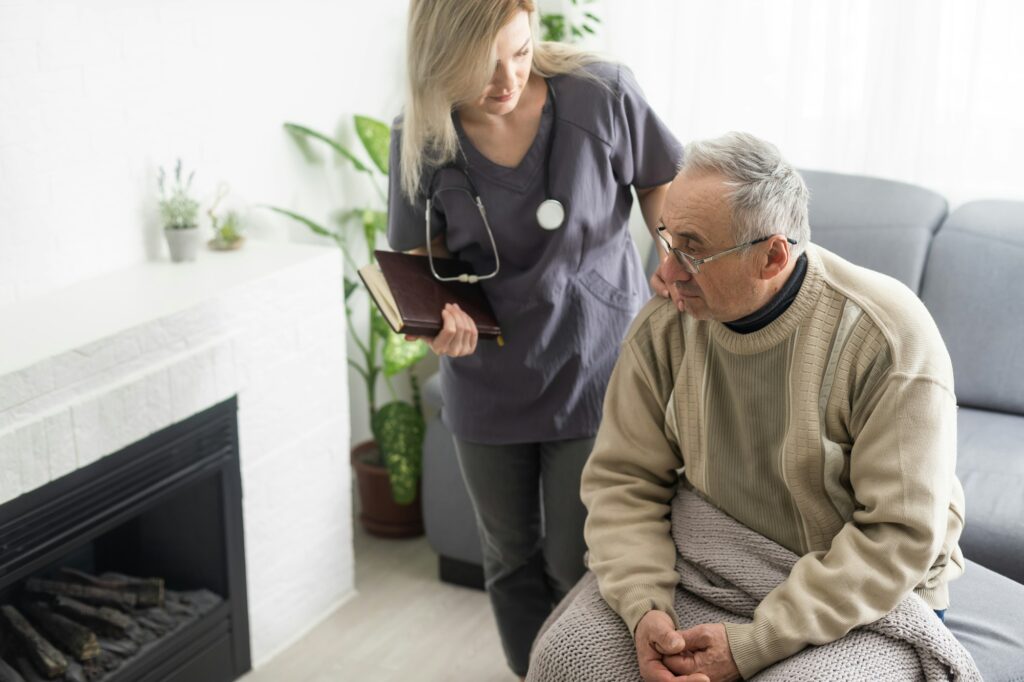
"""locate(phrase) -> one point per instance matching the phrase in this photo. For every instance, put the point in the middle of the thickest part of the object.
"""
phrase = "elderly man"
(808, 398)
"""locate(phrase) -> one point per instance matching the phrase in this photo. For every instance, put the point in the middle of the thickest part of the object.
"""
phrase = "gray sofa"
(963, 265)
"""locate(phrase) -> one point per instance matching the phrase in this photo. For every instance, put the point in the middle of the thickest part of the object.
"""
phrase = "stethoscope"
(550, 212)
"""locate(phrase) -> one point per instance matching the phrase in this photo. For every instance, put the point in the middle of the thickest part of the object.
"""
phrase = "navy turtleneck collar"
(759, 319)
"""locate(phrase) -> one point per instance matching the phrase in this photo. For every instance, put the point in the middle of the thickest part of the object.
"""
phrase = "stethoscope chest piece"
(551, 214)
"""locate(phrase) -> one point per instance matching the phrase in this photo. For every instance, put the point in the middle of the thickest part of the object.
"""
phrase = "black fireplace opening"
(132, 568)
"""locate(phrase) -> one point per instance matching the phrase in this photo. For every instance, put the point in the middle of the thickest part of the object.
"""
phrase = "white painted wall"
(94, 96)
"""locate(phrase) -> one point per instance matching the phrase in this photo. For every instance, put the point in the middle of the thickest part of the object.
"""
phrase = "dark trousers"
(528, 508)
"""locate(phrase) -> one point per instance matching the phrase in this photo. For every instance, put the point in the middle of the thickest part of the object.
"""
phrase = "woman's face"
(514, 55)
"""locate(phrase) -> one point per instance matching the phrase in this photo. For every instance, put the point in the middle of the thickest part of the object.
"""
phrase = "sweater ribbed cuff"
(937, 598)
(754, 646)
(637, 600)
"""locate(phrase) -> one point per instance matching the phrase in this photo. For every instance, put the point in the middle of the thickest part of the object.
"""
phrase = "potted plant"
(570, 27)
(227, 229)
(388, 467)
(179, 213)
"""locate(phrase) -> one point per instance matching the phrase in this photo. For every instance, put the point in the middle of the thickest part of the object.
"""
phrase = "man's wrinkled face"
(698, 221)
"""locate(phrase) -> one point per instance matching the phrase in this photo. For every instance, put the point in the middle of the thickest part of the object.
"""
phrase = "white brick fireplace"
(89, 369)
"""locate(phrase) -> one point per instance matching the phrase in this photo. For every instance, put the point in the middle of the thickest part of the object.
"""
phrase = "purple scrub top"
(564, 297)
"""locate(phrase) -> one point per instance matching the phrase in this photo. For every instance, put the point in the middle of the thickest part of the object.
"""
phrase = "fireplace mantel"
(86, 370)
(77, 316)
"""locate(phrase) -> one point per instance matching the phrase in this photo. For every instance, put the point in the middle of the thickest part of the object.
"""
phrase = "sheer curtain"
(925, 91)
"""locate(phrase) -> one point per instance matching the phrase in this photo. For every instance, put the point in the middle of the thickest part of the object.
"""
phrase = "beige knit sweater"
(831, 431)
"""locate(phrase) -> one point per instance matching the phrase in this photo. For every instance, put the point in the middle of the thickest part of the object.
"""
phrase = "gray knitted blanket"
(725, 570)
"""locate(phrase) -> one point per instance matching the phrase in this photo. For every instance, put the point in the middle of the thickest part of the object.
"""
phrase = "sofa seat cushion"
(990, 464)
(986, 613)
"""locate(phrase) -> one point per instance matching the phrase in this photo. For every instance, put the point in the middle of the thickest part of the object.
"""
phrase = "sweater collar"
(768, 313)
(785, 324)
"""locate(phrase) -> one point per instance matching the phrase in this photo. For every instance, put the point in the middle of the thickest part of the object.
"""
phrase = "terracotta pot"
(379, 513)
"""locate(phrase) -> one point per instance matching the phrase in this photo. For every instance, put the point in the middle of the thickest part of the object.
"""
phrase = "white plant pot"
(184, 243)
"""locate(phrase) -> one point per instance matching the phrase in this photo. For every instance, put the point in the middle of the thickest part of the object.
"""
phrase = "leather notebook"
(411, 298)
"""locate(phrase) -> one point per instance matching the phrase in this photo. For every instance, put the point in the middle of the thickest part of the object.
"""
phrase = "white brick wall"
(276, 338)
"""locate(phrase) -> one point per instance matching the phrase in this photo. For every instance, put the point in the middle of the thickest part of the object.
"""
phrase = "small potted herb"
(227, 228)
(179, 213)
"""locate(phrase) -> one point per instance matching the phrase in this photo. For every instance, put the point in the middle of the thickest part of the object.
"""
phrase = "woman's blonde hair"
(450, 61)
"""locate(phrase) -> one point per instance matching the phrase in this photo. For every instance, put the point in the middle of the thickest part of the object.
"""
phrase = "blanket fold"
(725, 570)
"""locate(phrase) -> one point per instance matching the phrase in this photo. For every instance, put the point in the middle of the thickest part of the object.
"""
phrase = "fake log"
(148, 591)
(86, 593)
(104, 620)
(46, 658)
(100, 666)
(76, 639)
(125, 648)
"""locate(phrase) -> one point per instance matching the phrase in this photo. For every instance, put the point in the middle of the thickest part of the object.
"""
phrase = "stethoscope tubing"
(543, 210)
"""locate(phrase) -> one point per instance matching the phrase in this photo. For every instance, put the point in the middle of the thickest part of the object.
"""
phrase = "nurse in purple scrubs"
(553, 141)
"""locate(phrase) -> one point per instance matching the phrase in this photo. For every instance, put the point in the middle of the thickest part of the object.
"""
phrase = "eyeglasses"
(692, 265)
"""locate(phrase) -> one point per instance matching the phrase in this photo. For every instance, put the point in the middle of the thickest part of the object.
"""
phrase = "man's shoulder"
(657, 331)
(892, 311)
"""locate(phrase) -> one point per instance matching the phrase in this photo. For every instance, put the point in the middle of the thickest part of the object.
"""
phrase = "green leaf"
(314, 227)
(298, 130)
(398, 429)
(374, 223)
(376, 138)
(342, 218)
(593, 17)
(586, 27)
(350, 287)
(554, 27)
(377, 221)
(400, 354)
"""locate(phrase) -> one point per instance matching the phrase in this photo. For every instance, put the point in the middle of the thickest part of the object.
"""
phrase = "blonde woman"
(552, 141)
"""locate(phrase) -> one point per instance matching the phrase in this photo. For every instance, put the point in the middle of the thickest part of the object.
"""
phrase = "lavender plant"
(178, 210)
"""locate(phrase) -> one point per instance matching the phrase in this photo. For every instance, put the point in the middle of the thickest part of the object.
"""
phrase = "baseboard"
(462, 573)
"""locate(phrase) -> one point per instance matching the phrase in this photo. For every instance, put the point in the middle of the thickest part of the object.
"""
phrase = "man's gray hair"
(768, 196)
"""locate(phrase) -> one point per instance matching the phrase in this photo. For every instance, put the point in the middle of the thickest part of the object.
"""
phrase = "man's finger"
(665, 675)
(684, 664)
(670, 642)
(659, 286)
(697, 638)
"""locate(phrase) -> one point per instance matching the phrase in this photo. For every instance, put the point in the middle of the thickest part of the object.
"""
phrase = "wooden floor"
(404, 624)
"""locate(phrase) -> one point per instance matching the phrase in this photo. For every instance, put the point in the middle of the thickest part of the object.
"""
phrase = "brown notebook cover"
(419, 297)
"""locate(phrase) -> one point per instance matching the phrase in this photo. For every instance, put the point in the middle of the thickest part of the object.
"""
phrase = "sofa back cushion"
(971, 288)
(880, 224)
